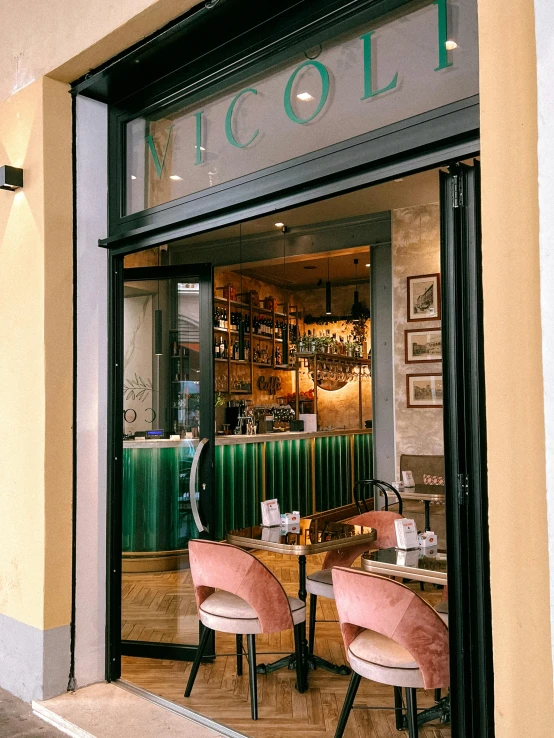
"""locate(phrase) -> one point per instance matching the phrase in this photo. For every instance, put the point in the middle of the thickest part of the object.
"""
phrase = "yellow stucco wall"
(66, 38)
(516, 447)
(36, 350)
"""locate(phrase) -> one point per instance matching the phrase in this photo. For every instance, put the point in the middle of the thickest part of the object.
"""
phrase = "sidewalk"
(17, 720)
(109, 711)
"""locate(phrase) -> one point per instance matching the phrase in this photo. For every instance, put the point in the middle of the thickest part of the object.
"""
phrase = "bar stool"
(320, 583)
(391, 636)
(236, 593)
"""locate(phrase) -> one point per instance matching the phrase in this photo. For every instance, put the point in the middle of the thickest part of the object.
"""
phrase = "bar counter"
(309, 472)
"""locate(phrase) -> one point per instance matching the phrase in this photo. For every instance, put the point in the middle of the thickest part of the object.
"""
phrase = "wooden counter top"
(239, 440)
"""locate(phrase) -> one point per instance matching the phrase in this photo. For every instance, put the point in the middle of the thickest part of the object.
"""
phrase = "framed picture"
(424, 390)
(423, 344)
(424, 297)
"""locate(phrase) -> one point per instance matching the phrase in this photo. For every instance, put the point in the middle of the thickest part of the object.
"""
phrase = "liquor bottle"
(225, 322)
(222, 349)
(257, 354)
(247, 351)
(277, 356)
(216, 348)
(236, 350)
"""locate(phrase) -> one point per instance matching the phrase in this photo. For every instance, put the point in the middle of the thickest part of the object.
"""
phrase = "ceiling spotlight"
(305, 96)
(451, 45)
(133, 176)
(279, 225)
(368, 265)
(175, 177)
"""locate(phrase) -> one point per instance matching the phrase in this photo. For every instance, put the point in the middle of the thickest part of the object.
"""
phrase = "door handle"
(192, 487)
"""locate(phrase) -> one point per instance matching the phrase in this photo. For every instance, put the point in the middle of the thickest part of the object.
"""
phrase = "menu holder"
(271, 515)
(406, 534)
(408, 479)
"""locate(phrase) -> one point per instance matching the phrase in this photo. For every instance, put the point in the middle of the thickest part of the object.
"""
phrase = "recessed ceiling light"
(279, 225)
(305, 96)
(133, 176)
(175, 177)
(451, 45)
(201, 148)
(310, 267)
(368, 265)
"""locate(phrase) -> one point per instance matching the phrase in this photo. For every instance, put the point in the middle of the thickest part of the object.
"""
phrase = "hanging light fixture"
(328, 310)
(158, 321)
(241, 321)
(285, 357)
(357, 306)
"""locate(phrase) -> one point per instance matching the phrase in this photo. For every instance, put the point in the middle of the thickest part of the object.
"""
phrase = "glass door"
(168, 428)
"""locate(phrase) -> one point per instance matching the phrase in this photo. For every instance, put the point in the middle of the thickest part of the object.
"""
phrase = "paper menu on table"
(271, 515)
(406, 534)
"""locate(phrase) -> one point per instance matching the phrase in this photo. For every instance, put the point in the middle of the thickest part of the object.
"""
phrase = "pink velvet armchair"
(236, 593)
(320, 583)
(391, 636)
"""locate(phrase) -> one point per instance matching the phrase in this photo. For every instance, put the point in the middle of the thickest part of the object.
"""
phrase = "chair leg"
(398, 708)
(348, 702)
(251, 640)
(197, 659)
(438, 695)
(301, 667)
(313, 607)
(239, 654)
(411, 701)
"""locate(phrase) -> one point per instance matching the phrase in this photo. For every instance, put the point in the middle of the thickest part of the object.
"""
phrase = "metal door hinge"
(457, 195)
(463, 489)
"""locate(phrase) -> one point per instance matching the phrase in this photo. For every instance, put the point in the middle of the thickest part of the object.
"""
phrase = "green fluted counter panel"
(156, 512)
(238, 472)
(286, 469)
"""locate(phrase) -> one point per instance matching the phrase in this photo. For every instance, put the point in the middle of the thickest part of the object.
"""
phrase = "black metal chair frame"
(301, 676)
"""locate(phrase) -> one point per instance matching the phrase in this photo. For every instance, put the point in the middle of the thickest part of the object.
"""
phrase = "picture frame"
(422, 345)
(424, 390)
(424, 297)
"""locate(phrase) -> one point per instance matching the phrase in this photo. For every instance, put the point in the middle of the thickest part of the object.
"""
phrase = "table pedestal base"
(312, 661)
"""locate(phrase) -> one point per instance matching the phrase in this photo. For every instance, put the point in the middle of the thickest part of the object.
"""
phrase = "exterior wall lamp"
(11, 178)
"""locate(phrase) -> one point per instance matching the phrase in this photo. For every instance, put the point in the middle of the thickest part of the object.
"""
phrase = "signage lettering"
(271, 385)
(324, 74)
(152, 146)
(360, 82)
(229, 120)
(368, 85)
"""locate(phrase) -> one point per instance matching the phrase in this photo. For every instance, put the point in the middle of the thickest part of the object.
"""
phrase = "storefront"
(237, 383)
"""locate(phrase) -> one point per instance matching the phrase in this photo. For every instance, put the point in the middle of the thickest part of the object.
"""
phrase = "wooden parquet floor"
(160, 607)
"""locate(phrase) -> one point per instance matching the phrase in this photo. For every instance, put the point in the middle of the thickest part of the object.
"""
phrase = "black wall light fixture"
(11, 178)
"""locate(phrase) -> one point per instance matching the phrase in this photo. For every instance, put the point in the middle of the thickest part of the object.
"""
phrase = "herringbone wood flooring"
(160, 607)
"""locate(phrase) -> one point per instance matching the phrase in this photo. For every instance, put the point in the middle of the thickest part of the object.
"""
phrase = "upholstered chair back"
(382, 521)
(221, 566)
(370, 602)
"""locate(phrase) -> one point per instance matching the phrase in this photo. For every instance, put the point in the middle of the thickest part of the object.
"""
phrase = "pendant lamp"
(328, 310)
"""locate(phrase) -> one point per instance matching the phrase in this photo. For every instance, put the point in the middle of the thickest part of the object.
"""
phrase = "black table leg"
(427, 515)
(310, 660)
(302, 594)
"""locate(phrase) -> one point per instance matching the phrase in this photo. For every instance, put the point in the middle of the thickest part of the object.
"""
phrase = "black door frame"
(440, 137)
(118, 275)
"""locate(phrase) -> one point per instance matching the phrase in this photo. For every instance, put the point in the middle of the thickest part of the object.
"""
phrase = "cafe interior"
(309, 602)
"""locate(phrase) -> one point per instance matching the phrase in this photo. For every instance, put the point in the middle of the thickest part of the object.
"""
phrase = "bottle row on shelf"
(261, 355)
(326, 343)
(262, 325)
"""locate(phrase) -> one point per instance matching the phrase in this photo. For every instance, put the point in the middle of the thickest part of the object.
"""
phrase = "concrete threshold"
(119, 710)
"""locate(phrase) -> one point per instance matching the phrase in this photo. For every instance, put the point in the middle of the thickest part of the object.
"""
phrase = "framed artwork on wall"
(424, 390)
(423, 345)
(424, 297)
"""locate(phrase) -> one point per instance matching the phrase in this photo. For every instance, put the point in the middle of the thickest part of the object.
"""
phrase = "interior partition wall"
(438, 137)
